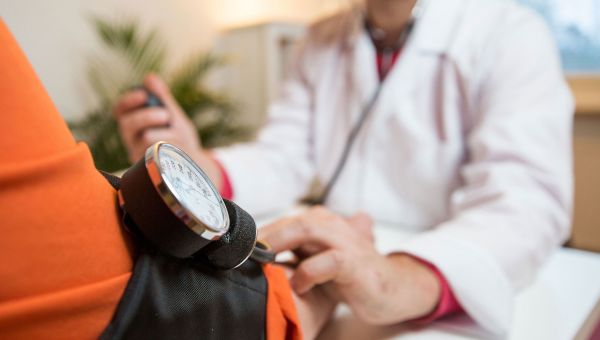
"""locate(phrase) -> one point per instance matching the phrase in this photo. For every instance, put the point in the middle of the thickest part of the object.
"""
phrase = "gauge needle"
(201, 195)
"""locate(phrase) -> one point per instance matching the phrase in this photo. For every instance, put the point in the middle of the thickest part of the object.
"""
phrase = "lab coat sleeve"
(271, 173)
(513, 207)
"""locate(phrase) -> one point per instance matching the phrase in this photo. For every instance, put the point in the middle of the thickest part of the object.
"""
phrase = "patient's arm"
(65, 260)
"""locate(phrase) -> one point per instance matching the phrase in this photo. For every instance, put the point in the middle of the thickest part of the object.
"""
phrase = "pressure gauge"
(172, 202)
(189, 191)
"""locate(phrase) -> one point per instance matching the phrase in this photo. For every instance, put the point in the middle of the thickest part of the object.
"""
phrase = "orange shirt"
(65, 260)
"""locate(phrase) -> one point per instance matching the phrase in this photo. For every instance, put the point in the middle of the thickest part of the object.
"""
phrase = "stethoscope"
(387, 62)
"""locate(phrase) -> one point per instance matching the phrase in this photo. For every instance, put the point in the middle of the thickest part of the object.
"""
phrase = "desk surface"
(562, 303)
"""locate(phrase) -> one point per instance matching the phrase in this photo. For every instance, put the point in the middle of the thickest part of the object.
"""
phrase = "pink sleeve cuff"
(447, 304)
(226, 189)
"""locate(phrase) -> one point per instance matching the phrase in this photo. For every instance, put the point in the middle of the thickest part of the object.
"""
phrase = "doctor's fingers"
(312, 227)
(363, 224)
(309, 249)
(329, 266)
(135, 123)
(137, 148)
(129, 101)
(157, 86)
(153, 135)
(278, 232)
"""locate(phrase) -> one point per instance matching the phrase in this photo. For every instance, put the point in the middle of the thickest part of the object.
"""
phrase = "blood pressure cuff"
(169, 298)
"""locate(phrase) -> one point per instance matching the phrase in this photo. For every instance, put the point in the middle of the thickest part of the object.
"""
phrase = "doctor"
(467, 140)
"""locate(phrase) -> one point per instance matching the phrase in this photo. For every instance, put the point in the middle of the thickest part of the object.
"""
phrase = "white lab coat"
(470, 143)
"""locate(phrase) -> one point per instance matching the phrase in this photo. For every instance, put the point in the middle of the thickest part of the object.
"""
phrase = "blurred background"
(225, 60)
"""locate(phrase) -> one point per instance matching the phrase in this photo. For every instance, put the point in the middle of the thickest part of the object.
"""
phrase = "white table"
(562, 303)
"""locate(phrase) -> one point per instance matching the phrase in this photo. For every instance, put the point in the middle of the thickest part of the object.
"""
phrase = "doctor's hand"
(141, 127)
(339, 255)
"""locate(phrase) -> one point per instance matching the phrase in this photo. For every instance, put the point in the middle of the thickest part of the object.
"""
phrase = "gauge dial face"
(192, 188)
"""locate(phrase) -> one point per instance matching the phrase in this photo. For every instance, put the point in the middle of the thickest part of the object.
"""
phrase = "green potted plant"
(129, 54)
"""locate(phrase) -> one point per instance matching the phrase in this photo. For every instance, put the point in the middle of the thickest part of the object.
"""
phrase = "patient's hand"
(314, 310)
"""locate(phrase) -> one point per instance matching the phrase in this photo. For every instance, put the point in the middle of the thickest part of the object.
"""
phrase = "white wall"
(57, 37)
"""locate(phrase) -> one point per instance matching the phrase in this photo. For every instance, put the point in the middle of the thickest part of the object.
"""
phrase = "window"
(576, 28)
